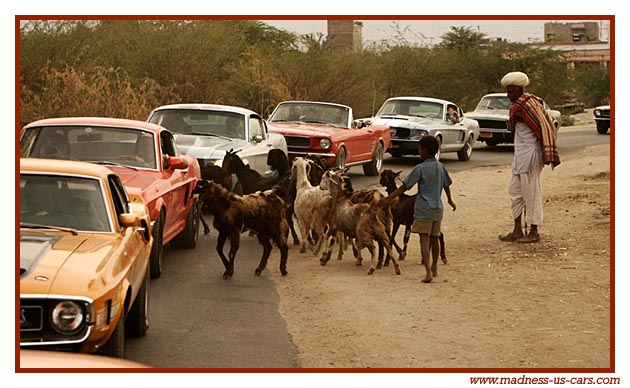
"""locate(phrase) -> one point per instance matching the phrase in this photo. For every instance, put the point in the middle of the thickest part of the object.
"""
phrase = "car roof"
(64, 167)
(200, 106)
(97, 121)
(496, 95)
(429, 99)
(314, 102)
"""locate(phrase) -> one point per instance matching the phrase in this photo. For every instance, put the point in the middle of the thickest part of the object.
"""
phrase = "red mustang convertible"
(329, 131)
(145, 158)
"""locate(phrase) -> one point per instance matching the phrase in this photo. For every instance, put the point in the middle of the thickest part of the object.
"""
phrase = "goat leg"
(264, 241)
(206, 227)
(284, 257)
(220, 243)
(234, 245)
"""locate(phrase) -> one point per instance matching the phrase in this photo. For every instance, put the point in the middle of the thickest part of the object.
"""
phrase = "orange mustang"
(84, 258)
(146, 159)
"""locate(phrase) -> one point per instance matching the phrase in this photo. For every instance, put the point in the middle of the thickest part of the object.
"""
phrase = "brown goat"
(360, 221)
(262, 213)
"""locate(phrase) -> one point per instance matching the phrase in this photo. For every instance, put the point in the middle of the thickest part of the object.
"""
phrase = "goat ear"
(398, 173)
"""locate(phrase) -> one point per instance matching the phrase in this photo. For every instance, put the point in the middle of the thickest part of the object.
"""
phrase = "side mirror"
(257, 138)
(177, 163)
(129, 220)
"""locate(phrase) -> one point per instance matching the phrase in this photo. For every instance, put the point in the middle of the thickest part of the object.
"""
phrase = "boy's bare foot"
(511, 237)
(427, 280)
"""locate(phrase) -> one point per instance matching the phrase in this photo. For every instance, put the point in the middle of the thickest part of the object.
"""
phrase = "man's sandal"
(509, 237)
(529, 239)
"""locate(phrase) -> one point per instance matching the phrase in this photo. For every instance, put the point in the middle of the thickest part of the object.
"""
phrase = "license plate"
(485, 134)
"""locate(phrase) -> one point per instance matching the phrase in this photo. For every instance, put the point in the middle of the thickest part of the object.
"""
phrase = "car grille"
(493, 124)
(298, 141)
(400, 132)
(606, 113)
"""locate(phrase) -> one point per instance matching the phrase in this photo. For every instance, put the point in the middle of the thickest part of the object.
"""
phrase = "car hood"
(488, 114)
(136, 181)
(304, 129)
(207, 147)
(64, 264)
(404, 122)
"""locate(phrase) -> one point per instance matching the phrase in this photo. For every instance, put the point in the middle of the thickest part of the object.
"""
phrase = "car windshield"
(312, 113)
(201, 122)
(127, 146)
(53, 201)
(416, 108)
(494, 103)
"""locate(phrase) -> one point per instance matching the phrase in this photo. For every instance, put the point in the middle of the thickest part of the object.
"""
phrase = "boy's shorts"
(432, 228)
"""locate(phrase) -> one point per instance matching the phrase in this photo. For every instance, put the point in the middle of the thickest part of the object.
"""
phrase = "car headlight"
(423, 133)
(67, 317)
(325, 143)
(598, 112)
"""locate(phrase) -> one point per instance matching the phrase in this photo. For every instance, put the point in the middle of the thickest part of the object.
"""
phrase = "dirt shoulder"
(494, 305)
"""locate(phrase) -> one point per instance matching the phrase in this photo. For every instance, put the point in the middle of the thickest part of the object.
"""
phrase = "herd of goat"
(323, 202)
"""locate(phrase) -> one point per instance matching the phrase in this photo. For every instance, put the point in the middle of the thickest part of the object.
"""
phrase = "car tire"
(602, 127)
(374, 167)
(465, 153)
(115, 345)
(340, 161)
(157, 251)
(137, 322)
(187, 238)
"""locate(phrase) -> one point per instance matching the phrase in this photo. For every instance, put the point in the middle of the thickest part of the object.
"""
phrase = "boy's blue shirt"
(431, 177)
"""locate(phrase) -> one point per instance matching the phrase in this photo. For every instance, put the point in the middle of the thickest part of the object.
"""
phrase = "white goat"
(312, 205)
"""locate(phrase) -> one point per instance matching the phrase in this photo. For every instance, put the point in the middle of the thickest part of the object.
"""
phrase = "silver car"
(493, 115)
(207, 132)
(602, 118)
(411, 118)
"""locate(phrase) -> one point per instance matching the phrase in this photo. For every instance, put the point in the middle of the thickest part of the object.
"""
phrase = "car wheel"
(340, 161)
(157, 251)
(602, 128)
(187, 238)
(137, 322)
(465, 153)
(115, 345)
(374, 167)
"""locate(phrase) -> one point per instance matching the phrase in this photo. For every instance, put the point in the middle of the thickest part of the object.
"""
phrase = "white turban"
(515, 78)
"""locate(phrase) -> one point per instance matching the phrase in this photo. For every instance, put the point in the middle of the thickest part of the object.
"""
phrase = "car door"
(134, 246)
(176, 189)
(259, 145)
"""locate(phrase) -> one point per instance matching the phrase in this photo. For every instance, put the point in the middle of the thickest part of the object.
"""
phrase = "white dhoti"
(524, 190)
(526, 195)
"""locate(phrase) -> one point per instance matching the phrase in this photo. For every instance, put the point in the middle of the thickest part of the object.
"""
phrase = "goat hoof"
(358, 263)
(227, 276)
(444, 260)
(258, 271)
(402, 255)
(284, 272)
(370, 271)
(397, 270)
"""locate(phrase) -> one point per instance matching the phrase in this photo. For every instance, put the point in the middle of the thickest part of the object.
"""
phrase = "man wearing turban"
(534, 147)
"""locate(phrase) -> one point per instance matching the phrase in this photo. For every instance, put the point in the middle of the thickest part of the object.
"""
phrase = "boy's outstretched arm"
(447, 190)
(388, 200)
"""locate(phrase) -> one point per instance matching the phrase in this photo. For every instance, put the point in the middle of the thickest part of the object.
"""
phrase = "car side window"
(255, 128)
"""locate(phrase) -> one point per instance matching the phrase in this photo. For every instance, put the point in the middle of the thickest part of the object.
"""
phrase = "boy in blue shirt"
(431, 177)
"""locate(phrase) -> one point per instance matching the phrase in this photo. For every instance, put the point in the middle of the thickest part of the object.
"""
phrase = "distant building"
(582, 32)
(345, 35)
(580, 43)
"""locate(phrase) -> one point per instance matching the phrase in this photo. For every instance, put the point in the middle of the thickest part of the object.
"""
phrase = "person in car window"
(451, 114)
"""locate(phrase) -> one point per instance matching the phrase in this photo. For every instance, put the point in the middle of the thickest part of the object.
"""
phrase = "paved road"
(199, 320)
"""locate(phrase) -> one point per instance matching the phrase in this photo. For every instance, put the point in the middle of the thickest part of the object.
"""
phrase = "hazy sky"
(430, 31)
